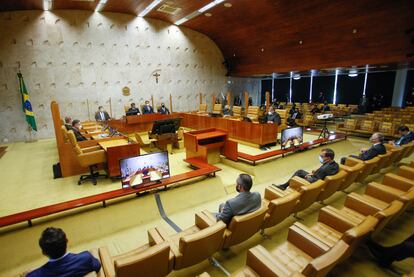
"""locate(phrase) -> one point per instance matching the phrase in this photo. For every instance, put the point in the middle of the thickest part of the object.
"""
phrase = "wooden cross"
(156, 75)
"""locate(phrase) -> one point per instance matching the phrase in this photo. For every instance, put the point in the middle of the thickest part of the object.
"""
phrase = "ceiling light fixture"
(100, 5)
(296, 76)
(228, 5)
(210, 5)
(47, 5)
(208, 14)
(181, 21)
(149, 8)
(198, 12)
(353, 72)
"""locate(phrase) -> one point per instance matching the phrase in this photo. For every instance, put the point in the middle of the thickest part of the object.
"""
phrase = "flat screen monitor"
(291, 137)
(141, 169)
(166, 126)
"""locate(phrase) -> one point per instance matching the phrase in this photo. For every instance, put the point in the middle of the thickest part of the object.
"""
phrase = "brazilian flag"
(27, 106)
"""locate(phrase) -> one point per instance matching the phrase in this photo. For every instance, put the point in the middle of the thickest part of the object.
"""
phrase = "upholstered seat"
(406, 171)
(332, 185)
(307, 121)
(353, 173)
(217, 108)
(382, 162)
(368, 168)
(279, 207)
(88, 157)
(386, 128)
(196, 243)
(152, 259)
(301, 255)
(366, 127)
(349, 125)
(253, 113)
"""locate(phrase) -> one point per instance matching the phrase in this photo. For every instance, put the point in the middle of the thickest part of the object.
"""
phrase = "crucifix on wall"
(156, 75)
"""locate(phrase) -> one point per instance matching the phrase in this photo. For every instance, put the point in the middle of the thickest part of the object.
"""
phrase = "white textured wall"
(75, 56)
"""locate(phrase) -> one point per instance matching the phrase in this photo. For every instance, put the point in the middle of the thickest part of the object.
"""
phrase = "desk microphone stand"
(324, 132)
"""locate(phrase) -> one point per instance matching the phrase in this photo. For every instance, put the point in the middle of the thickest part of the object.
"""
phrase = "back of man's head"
(53, 242)
(403, 129)
(329, 153)
(245, 181)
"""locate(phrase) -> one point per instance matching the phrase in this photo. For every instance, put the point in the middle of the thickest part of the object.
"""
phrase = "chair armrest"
(91, 149)
(398, 182)
(306, 242)
(94, 252)
(173, 246)
(354, 160)
(92, 158)
(359, 205)
(262, 262)
(106, 262)
(272, 193)
(204, 219)
(296, 183)
(334, 220)
(154, 237)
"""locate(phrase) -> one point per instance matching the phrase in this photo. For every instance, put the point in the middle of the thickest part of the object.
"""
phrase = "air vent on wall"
(168, 9)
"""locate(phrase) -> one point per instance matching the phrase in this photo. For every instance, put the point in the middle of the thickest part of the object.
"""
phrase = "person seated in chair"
(133, 110)
(315, 109)
(376, 149)
(406, 136)
(329, 167)
(295, 115)
(163, 109)
(245, 202)
(76, 126)
(325, 107)
(227, 111)
(147, 109)
(101, 115)
(273, 117)
(68, 123)
(53, 243)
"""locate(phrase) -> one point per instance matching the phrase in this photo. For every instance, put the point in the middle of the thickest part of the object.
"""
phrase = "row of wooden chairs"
(314, 250)
(368, 127)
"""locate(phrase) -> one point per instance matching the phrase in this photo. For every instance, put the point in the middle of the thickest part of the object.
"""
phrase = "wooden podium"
(208, 144)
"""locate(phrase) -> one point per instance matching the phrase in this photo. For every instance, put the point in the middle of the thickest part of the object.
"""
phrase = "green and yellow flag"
(27, 106)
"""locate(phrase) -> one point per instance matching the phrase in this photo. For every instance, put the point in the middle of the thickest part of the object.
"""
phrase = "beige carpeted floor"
(27, 182)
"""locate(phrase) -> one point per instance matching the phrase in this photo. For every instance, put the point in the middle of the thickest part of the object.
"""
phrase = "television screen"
(291, 137)
(144, 168)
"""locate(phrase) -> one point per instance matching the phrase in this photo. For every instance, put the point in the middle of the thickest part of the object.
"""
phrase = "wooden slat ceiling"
(264, 36)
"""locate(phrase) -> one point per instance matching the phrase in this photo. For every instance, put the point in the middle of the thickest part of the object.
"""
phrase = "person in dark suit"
(53, 243)
(227, 111)
(147, 109)
(406, 136)
(76, 126)
(245, 202)
(133, 110)
(315, 109)
(68, 123)
(385, 256)
(273, 117)
(163, 109)
(325, 107)
(376, 149)
(296, 114)
(101, 115)
(329, 167)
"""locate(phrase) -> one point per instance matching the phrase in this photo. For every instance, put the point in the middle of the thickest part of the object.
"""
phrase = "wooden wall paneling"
(74, 5)
(15, 5)
(126, 6)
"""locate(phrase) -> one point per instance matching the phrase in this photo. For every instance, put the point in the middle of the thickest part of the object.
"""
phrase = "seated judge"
(76, 127)
(273, 117)
(329, 167)
(227, 111)
(245, 202)
(163, 109)
(101, 115)
(147, 109)
(133, 110)
(53, 243)
(68, 123)
(377, 148)
(406, 136)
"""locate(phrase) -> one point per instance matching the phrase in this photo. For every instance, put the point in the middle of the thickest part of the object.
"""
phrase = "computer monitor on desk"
(165, 126)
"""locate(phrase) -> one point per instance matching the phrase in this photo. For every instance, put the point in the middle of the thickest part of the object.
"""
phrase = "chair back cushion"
(64, 133)
(200, 245)
(309, 194)
(203, 108)
(237, 110)
(243, 227)
(217, 108)
(369, 167)
(350, 123)
(332, 184)
(74, 142)
(280, 208)
(153, 261)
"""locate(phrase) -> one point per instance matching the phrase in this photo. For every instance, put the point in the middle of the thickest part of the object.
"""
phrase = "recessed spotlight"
(234, 55)
(262, 49)
(354, 31)
(300, 42)
(208, 14)
(228, 5)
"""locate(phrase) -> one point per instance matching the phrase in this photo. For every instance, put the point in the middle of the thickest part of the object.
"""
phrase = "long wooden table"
(254, 133)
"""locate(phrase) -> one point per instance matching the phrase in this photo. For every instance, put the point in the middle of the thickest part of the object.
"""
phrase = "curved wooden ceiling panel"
(265, 36)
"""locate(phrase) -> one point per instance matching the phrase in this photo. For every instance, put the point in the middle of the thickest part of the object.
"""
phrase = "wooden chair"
(144, 140)
(237, 111)
(253, 113)
(217, 109)
(202, 108)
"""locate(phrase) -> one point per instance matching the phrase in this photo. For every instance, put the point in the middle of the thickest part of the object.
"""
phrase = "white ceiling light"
(181, 21)
(353, 73)
(100, 5)
(47, 5)
(210, 5)
(150, 7)
(296, 76)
